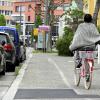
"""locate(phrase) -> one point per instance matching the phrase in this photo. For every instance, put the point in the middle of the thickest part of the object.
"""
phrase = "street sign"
(35, 31)
(44, 27)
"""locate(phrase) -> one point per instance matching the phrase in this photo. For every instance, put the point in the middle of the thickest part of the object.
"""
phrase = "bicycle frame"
(86, 70)
(90, 62)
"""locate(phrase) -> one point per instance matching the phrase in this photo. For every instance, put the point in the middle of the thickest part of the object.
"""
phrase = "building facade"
(89, 7)
(6, 8)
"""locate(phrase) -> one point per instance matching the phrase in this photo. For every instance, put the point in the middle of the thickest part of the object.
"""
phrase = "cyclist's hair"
(88, 18)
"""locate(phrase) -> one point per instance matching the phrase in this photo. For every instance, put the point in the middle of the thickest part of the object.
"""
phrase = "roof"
(7, 27)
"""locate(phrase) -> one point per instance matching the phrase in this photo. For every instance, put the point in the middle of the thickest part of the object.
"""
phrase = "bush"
(63, 43)
(98, 28)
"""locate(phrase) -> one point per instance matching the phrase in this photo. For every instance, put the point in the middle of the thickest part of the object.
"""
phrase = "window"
(29, 18)
(2, 3)
(22, 8)
(17, 8)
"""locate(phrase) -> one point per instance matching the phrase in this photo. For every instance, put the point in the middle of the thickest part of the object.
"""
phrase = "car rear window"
(11, 32)
(5, 38)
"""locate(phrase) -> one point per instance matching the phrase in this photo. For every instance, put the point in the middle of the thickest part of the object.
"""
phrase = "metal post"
(24, 26)
(20, 18)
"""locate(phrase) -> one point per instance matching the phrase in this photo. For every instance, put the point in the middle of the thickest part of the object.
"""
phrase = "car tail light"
(8, 47)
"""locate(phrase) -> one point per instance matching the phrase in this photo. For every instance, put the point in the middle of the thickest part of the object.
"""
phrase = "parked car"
(15, 38)
(22, 51)
(2, 60)
(9, 48)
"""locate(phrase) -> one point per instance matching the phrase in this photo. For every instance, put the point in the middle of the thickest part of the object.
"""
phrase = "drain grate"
(49, 93)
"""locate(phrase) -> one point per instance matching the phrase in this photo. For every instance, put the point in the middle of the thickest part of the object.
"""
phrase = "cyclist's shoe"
(79, 65)
(87, 78)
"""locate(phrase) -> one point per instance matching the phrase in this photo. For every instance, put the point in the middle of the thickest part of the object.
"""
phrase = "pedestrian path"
(48, 76)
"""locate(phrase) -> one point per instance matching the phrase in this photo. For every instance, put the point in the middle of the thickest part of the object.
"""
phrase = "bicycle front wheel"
(88, 76)
(77, 76)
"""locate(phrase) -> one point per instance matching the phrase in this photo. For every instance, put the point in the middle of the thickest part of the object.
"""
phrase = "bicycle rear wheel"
(77, 76)
(87, 77)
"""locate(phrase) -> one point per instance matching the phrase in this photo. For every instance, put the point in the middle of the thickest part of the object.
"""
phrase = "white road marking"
(64, 78)
(13, 89)
(60, 72)
(70, 61)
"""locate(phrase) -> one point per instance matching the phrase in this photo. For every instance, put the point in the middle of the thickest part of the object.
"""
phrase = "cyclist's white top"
(86, 34)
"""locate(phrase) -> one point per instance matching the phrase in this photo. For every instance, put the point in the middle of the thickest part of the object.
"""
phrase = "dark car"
(2, 60)
(10, 50)
(22, 51)
(15, 38)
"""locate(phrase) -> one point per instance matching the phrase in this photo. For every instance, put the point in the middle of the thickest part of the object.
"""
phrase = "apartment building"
(6, 8)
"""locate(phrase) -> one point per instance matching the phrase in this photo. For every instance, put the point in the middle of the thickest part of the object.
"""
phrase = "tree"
(18, 27)
(38, 21)
(76, 14)
(63, 43)
(50, 18)
(96, 11)
(2, 20)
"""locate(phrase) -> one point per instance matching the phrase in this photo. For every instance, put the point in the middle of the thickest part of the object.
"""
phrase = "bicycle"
(86, 70)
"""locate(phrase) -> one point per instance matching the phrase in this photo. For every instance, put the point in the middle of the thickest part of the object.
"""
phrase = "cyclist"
(86, 34)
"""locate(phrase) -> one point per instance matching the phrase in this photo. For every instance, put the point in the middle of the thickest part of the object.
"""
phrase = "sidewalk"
(49, 76)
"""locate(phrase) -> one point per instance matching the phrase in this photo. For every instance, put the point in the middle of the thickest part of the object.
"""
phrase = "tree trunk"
(96, 11)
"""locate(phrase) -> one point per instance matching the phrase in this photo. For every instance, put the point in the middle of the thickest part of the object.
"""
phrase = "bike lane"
(47, 76)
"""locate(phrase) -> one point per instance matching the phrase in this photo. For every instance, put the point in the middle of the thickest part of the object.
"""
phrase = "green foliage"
(38, 21)
(98, 28)
(18, 27)
(76, 13)
(64, 42)
(2, 20)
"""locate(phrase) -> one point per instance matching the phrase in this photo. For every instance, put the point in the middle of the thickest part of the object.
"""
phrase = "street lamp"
(21, 23)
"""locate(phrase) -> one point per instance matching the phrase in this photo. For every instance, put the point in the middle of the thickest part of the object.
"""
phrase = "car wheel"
(4, 67)
(21, 59)
(3, 72)
(17, 62)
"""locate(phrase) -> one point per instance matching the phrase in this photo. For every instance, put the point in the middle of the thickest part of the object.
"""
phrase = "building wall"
(90, 9)
(91, 6)
(28, 12)
(6, 8)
